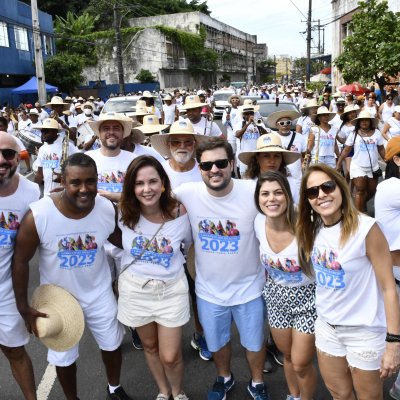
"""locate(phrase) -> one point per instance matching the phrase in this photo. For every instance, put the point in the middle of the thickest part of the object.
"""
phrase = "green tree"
(372, 51)
(64, 71)
(145, 76)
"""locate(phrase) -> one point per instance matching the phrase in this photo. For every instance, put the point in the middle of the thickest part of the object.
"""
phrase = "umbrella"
(320, 78)
(326, 71)
(354, 88)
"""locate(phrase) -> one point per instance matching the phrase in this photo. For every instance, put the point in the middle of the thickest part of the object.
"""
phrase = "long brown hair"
(129, 205)
(253, 170)
(309, 222)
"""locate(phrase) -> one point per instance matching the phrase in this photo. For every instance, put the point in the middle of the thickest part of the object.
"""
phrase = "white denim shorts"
(362, 347)
(142, 301)
(13, 332)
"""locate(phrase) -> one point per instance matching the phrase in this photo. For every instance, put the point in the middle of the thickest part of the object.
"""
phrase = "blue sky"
(275, 22)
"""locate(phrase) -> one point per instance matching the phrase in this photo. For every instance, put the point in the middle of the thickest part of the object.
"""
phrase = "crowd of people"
(263, 223)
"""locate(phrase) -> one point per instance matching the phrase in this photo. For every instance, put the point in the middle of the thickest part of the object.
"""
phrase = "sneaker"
(136, 342)
(275, 354)
(119, 394)
(220, 388)
(199, 343)
(267, 366)
(181, 396)
(289, 397)
(161, 396)
(394, 392)
(259, 392)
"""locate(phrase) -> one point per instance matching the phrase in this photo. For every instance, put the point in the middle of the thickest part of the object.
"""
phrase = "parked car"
(125, 105)
(221, 101)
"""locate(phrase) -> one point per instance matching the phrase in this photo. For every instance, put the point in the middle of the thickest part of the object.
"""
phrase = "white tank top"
(387, 112)
(371, 110)
(71, 250)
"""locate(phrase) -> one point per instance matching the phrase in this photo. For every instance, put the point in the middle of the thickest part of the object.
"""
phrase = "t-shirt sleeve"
(350, 139)
(380, 140)
(215, 130)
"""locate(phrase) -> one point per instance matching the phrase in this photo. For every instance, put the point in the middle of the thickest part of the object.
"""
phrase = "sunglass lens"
(206, 165)
(8, 154)
(328, 187)
(221, 163)
(312, 192)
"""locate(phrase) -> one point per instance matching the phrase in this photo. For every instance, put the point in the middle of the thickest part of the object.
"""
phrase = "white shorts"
(142, 301)
(101, 319)
(13, 332)
(356, 171)
(362, 347)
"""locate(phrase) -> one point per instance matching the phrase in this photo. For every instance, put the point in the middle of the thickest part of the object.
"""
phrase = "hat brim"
(288, 156)
(52, 299)
(65, 105)
(348, 112)
(308, 107)
(193, 105)
(373, 120)
(95, 125)
(248, 106)
(149, 129)
(331, 116)
(277, 115)
(160, 141)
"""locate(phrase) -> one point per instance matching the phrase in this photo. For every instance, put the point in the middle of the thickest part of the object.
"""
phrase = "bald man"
(16, 193)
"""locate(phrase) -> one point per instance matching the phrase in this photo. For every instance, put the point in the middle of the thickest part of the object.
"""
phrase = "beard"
(182, 157)
(4, 179)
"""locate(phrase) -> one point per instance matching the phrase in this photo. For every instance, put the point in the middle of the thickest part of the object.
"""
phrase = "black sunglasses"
(327, 187)
(220, 164)
(8, 154)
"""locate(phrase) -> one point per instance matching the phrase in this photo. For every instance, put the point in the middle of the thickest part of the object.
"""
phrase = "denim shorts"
(362, 347)
(217, 320)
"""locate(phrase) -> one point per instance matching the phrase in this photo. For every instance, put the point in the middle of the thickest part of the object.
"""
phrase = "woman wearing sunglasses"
(153, 290)
(356, 298)
(367, 143)
(289, 292)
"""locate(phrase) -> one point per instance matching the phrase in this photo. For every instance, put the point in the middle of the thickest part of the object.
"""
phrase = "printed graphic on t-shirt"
(326, 140)
(368, 145)
(50, 161)
(111, 181)
(75, 252)
(219, 238)
(158, 251)
(9, 225)
(251, 133)
(329, 272)
(288, 269)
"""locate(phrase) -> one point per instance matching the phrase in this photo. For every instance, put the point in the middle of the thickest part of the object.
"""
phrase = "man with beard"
(16, 193)
(70, 228)
(229, 277)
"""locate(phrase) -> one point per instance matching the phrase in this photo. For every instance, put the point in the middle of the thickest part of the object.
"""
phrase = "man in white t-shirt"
(43, 114)
(168, 111)
(229, 277)
(228, 118)
(70, 229)
(16, 193)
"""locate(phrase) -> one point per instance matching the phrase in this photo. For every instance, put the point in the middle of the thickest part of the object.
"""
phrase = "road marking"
(28, 175)
(46, 383)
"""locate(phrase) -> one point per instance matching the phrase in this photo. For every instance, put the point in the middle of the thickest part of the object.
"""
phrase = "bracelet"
(391, 338)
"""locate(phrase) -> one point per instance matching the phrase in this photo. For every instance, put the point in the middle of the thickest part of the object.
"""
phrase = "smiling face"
(111, 134)
(328, 206)
(272, 199)
(8, 166)
(148, 187)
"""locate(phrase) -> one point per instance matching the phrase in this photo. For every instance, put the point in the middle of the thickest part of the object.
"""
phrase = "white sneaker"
(181, 396)
(161, 396)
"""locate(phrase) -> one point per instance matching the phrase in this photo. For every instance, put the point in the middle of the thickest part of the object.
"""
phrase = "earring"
(163, 189)
(312, 215)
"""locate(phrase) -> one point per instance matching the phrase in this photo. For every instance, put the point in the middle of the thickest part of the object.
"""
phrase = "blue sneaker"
(394, 392)
(199, 343)
(220, 388)
(259, 392)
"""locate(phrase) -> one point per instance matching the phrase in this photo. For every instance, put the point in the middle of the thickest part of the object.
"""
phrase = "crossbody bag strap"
(369, 155)
(291, 141)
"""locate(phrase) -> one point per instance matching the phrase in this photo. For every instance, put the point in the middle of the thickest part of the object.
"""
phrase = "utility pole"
(308, 71)
(41, 84)
(118, 50)
(319, 37)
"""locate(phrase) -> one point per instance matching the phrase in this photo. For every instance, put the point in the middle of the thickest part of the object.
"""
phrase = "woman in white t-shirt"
(153, 290)
(289, 292)
(391, 128)
(356, 296)
(367, 143)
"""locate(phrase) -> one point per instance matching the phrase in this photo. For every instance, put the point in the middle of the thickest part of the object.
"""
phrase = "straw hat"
(91, 98)
(310, 104)
(270, 142)
(392, 148)
(337, 94)
(140, 108)
(349, 109)
(277, 115)
(88, 104)
(181, 127)
(126, 122)
(193, 101)
(49, 123)
(321, 111)
(365, 115)
(248, 103)
(58, 101)
(340, 100)
(167, 97)
(147, 94)
(64, 326)
(33, 111)
(151, 125)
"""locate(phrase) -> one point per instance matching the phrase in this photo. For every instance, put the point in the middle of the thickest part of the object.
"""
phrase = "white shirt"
(394, 129)
(299, 145)
(169, 113)
(324, 140)
(231, 137)
(204, 126)
(177, 178)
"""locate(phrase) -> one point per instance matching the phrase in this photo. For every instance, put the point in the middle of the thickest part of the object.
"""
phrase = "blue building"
(17, 59)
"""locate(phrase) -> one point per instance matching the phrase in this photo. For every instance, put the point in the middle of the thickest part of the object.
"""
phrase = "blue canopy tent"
(31, 87)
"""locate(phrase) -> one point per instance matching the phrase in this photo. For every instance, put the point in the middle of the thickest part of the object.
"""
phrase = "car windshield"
(268, 108)
(122, 106)
(222, 96)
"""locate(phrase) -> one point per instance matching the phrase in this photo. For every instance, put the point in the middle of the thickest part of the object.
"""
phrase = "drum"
(82, 131)
(30, 141)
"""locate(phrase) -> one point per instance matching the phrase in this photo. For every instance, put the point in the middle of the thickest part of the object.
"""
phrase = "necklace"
(335, 223)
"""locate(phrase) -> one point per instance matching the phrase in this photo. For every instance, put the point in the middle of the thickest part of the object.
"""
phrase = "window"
(4, 35)
(21, 38)
(48, 45)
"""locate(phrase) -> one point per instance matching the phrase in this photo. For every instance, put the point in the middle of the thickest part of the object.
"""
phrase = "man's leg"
(112, 361)
(222, 360)
(22, 370)
(67, 378)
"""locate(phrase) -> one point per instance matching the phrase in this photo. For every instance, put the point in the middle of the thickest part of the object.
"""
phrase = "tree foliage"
(145, 76)
(372, 51)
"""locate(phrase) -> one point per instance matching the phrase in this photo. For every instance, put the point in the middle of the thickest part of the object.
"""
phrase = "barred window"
(4, 35)
(21, 38)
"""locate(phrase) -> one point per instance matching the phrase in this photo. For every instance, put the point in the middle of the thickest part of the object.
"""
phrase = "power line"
(301, 12)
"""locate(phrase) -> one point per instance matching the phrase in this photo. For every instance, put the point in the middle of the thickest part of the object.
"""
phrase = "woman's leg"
(170, 349)
(303, 351)
(347, 162)
(371, 188)
(367, 384)
(360, 188)
(149, 336)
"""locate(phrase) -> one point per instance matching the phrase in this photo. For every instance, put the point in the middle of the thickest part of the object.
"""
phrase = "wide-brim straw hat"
(248, 103)
(65, 324)
(277, 115)
(181, 127)
(140, 108)
(151, 125)
(193, 101)
(125, 121)
(322, 111)
(348, 109)
(340, 100)
(268, 143)
(147, 94)
(312, 103)
(365, 115)
(337, 94)
(33, 111)
(58, 101)
(49, 123)
(167, 97)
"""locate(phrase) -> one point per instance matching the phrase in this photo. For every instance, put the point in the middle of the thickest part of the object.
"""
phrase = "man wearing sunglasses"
(229, 279)
(16, 193)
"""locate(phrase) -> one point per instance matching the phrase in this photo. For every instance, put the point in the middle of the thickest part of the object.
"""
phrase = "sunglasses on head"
(220, 164)
(284, 123)
(8, 154)
(327, 187)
